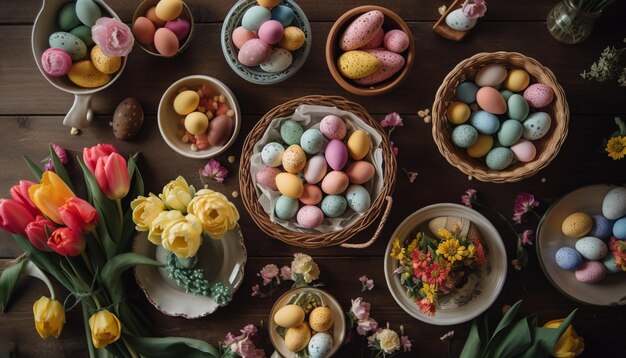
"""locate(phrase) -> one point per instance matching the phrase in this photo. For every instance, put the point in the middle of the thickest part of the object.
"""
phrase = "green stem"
(87, 262)
(91, 348)
(118, 202)
(132, 352)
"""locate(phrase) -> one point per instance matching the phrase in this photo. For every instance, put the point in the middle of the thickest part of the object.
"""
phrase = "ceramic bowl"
(169, 120)
(255, 74)
(392, 21)
(186, 14)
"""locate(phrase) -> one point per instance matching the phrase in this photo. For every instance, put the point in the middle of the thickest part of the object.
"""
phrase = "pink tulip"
(79, 215)
(91, 155)
(112, 176)
(67, 242)
(36, 232)
(20, 194)
(14, 216)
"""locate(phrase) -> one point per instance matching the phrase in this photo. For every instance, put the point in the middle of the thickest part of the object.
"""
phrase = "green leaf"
(517, 339)
(8, 279)
(109, 246)
(507, 319)
(477, 340)
(546, 339)
(157, 347)
(112, 271)
(34, 168)
(59, 168)
(45, 261)
(135, 320)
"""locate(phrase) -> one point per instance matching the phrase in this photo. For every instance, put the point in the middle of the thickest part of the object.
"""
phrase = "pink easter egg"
(333, 127)
(590, 272)
(362, 30)
(254, 52)
(180, 27)
(390, 64)
(376, 41)
(538, 95)
(336, 154)
(524, 151)
(267, 177)
(490, 100)
(166, 42)
(56, 62)
(396, 41)
(271, 32)
(315, 169)
(241, 36)
(143, 30)
(310, 216)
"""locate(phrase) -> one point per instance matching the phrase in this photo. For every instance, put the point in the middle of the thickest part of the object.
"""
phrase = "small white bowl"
(168, 118)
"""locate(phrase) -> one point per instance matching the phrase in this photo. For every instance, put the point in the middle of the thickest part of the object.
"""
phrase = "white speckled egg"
(458, 21)
(315, 169)
(591, 248)
(312, 141)
(272, 154)
(334, 205)
(286, 207)
(591, 272)
(279, 61)
(291, 131)
(536, 125)
(320, 345)
(358, 198)
(499, 158)
(614, 204)
(333, 127)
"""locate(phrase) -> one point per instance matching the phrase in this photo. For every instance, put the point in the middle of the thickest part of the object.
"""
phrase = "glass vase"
(569, 24)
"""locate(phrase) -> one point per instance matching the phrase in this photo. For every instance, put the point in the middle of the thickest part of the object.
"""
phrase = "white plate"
(222, 260)
(339, 325)
(489, 284)
(611, 290)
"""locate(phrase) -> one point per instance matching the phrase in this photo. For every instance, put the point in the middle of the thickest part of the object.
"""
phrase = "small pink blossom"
(60, 152)
(256, 290)
(360, 309)
(394, 149)
(366, 325)
(230, 339)
(528, 237)
(392, 120)
(367, 283)
(215, 171)
(524, 203)
(267, 273)
(406, 343)
(113, 36)
(473, 9)
(469, 198)
(286, 274)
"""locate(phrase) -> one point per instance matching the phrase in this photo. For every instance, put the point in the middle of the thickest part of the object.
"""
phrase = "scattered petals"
(469, 198)
(268, 273)
(524, 203)
(394, 149)
(367, 283)
(528, 237)
(406, 343)
(214, 170)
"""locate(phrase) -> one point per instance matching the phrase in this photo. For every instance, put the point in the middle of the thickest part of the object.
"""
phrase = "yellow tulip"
(145, 210)
(570, 344)
(183, 236)
(49, 195)
(160, 222)
(49, 317)
(105, 328)
(177, 194)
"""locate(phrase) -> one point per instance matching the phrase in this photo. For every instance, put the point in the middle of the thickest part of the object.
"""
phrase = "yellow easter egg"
(293, 38)
(517, 80)
(289, 316)
(297, 338)
(167, 10)
(289, 185)
(186, 102)
(321, 319)
(458, 112)
(358, 144)
(85, 74)
(294, 159)
(196, 123)
(357, 64)
(482, 146)
(577, 224)
(104, 63)
(269, 3)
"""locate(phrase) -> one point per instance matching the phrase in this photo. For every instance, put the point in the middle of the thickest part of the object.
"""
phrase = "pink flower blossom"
(113, 36)
(230, 339)
(215, 171)
(392, 120)
(286, 274)
(367, 283)
(246, 349)
(394, 149)
(528, 237)
(360, 309)
(474, 9)
(365, 326)
(524, 203)
(256, 291)
(469, 198)
(60, 152)
(267, 273)
(406, 343)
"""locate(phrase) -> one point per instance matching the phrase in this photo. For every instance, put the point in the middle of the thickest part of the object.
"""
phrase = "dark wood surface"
(31, 111)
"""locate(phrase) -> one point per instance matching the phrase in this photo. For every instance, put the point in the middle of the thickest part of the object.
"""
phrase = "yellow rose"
(388, 340)
(105, 328)
(570, 344)
(216, 213)
(145, 210)
(305, 266)
(159, 224)
(177, 194)
(183, 236)
(49, 317)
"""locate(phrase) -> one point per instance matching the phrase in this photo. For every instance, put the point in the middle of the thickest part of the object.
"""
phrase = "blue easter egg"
(334, 205)
(466, 92)
(602, 227)
(283, 14)
(464, 136)
(484, 122)
(619, 229)
(568, 258)
(499, 158)
(506, 94)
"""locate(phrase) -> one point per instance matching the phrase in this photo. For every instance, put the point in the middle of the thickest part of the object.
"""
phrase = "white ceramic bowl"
(491, 280)
(168, 119)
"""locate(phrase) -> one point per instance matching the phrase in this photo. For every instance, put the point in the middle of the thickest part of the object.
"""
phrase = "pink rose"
(56, 62)
(113, 36)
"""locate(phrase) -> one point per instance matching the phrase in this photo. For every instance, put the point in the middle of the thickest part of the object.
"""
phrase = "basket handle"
(381, 224)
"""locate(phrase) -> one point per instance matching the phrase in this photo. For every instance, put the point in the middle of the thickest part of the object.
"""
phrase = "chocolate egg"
(220, 130)
(127, 119)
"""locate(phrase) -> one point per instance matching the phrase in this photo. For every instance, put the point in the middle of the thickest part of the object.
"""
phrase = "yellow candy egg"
(289, 185)
(321, 319)
(289, 316)
(294, 159)
(458, 112)
(358, 144)
(482, 146)
(297, 337)
(293, 38)
(186, 102)
(517, 80)
(196, 123)
(167, 10)
(104, 63)
(357, 64)
(85, 74)
(577, 224)
(269, 3)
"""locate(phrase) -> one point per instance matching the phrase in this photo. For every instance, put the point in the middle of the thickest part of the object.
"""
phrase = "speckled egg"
(591, 248)
(499, 158)
(254, 52)
(390, 64)
(293, 38)
(254, 17)
(568, 258)
(289, 316)
(357, 64)
(283, 14)
(464, 136)
(335, 182)
(104, 63)
(127, 119)
(602, 227)
(267, 177)
(619, 229)
(458, 21)
(291, 131)
(289, 185)
(590, 272)
(517, 80)
(517, 107)
(609, 263)
(577, 224)
(321, 319)
(271, 32)
(272, 154)
(320, 345)
(279, 61)
(241, 36)
(361, 30)
(312, 194)
(286, 207)
(336, 154)
(376, 41)
(538, 95)
(490, 100)
(312, 141)
(360, 172)
(297, 338)
(85, 74)
(458, 112)
(396, 41)
(294, 159)
(483, 145)
(333, 127)
(485, 122)
(614, 203)
(510, 132)
(491, 75)
(69, 43)
(310, 216)
(537, 125)
(359, 144)
(315, 169)
(466, 92)
(358, 198)
(334, 205)
(524, 151)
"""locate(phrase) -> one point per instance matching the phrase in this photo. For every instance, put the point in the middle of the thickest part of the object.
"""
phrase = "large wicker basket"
(382, 203)
(547, 147)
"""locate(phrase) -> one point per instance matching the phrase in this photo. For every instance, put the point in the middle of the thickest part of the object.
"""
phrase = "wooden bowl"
(392, 21)
(185, 14)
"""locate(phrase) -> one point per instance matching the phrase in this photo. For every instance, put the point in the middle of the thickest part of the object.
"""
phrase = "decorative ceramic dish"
(611, 290)
(222, 260)
(468, 301)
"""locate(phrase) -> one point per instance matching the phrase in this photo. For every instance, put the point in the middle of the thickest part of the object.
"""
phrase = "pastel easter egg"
(590, 272)
(186, 102)
(84, 33)
(359, 144)
(390, 64)
(272, 154)
(289, 185)
(267, 177)
(282, 14)
(335, 182)
(517, 80)
(466, 92)
(483, 145)
(143, 30)
(196, 123)
(609, 263)
(358, 198)
(499, 158)
(464, 136)
(180, 27)
(291, 131)
(69, 43)
(254, 52)
(290, 315)
(357, 64)
(166, 42)
(539, 95)
(293, 38)
(220, 130)
(315, 169)
(56, 62)
(506, 94)
(334, 205)
(517, 107)
(510, 132)
(88, 12)
(537, 125)
(619, 229)
(614, 203)
(311, 195)
(591, 248)
(312, 141)
(310, 216)
(279, 61)
(269, 3)
(333, 127)
(458, 112)
(320, 345)
(485, 122)
(577, 224)
(396, 41)
(458, 21)
(524, 151)
(168, 10)
(241, 36)
(602, 227)
(85, 74)
(286, 207)
(491, 75)
(67, 18)
(360, 172)
(104, 63)
(271, 32)
(568, 258)
(294, 159)
(254, 17)
(297, 338)
(376, 41)
(490, 100)
(361, 30)
(336, 154)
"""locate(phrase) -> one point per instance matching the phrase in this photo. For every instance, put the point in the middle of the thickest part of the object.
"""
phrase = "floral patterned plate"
(477, 295)
(222, 260)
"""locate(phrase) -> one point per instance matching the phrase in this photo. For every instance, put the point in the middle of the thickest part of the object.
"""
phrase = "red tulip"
(14, 216)
(20, 194)
(67, 242)
(112, 176)
(91, 155)
(79, 215)
(36, 232)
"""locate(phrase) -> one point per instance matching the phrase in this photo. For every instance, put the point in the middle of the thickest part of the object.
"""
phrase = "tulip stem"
(130, 349)
(87, 262)
(119, 210)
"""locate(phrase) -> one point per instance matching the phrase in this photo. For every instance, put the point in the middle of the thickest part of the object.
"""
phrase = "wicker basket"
(382, 202)
(547, 147)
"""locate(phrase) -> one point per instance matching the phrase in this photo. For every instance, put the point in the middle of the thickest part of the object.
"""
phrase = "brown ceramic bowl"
(185, 14)
(392, 21)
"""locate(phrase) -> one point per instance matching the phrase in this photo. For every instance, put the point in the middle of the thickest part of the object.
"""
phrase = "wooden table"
(31, 112)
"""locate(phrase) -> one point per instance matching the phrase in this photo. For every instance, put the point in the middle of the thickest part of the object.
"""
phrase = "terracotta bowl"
(186, 14)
